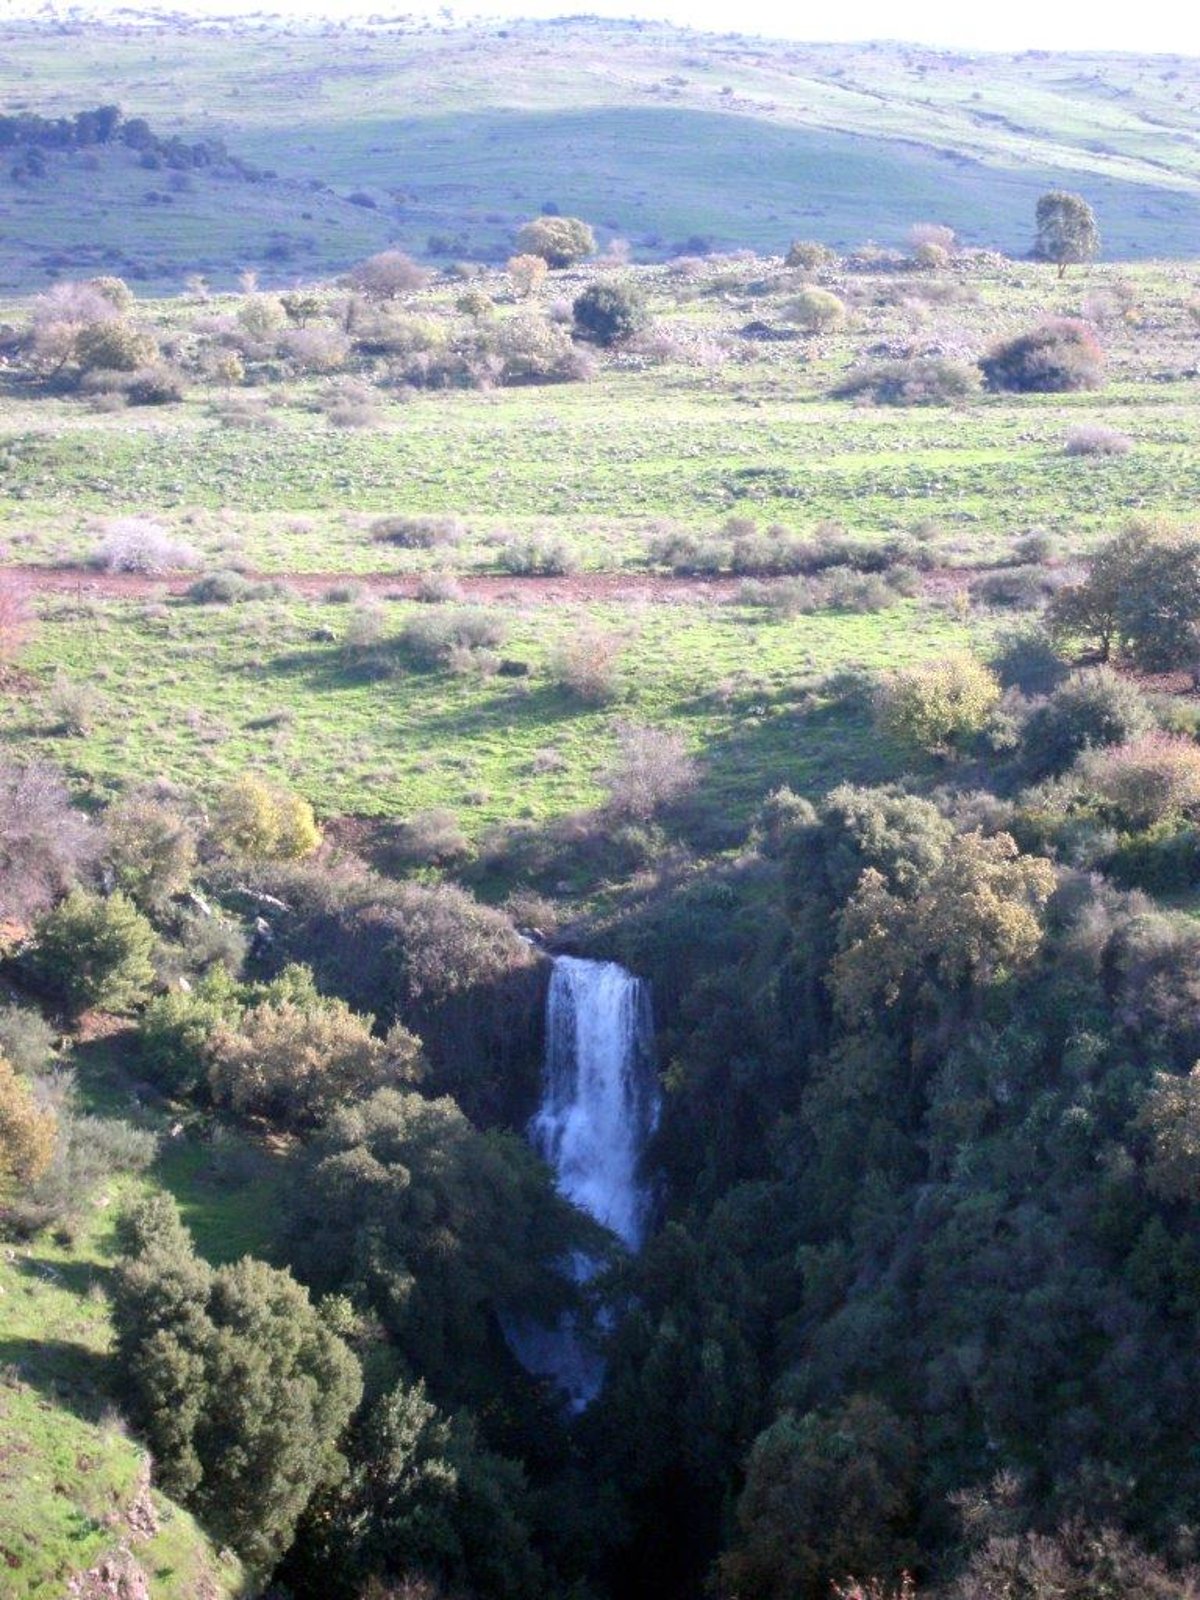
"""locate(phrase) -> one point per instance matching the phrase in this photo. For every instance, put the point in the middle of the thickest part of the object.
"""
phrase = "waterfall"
(599, 1107)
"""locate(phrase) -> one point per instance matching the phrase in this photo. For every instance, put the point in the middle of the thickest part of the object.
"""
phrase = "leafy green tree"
(1170, 1117)
(559, 241)
(423, 1495)
(826, 1494)
(95, 951)
(1066, 229)
(610, 313)
(263, 821)
(1141, 598)
(242, 1390)
(441, 1226)
(938, 705)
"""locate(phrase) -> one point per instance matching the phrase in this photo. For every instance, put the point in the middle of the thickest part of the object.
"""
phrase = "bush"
(538, 556)
(1153, 779)
(1096, 440)
(1026, 659)
(938, 705)
(387, 275)
(150, 849)
(176, 1031)
(293, 1060)
(528, 349)
(139, 544)
(1092, 709)
(588, 665)
(418, 533)
(44, 841)
(26, 1039)
(559, 241)
(1059, 357)
(431, 641)
(262, 821)
(919, 382)
(652, 767)
(431, 838)
(92, 951)
(114, 346)
(159, 385)
(815, 310)
(527, 273)
(27, 1132)
(88, 1152)
(610, 313)
(808, 255)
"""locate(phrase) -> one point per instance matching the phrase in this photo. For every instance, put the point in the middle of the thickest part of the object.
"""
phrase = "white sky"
(1170, 26)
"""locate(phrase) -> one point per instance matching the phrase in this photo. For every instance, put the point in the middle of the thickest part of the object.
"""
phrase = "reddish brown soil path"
(647, 587)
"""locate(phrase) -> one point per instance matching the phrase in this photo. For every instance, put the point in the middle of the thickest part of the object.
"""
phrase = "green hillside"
(664, 137)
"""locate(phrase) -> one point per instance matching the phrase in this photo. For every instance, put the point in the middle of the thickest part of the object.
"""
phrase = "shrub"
(528, 349)
(220, 588)
(315, 349)
(652, 767)
(1026, 659)
(1141, 595)
(808, 255)
(150, 849)
(1090, 710)
(559, 241)
(937, 705)
(418, 533)
(919, 382)
(588, 665)
(94, 951)
(262, 821)
(527, 272)
(538, 556)
(176, 1031)
(294, 1060)
(116, 291)
(114, 346)
(610, 313)
(139, 544)
(159, 385)
(430, 641)
(262, 316)
(387, 275)
(1152, 779)
(44, 841)
(1094, 439)
(815, 310)
(26, 1038)
(1060, 356)
(26, 1132)
(432, 838)
(239, 1387)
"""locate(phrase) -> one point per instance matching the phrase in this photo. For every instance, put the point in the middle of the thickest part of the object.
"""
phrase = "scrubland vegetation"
(818, 634)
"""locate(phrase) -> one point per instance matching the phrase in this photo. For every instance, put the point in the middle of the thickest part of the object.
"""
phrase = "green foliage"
(937, 707)
(609, 312)
(1066, 229)
(808, 255)
(918, 381)
(440, 1226)
(1091, 709)
(242, 1391)
(815, 310)
(559, 241)
(150, 848)
(176, 1030)
(114, 346)
(93, 950)
(1141, 597)
(294, 1060)
(826, 1495)
(263, 821)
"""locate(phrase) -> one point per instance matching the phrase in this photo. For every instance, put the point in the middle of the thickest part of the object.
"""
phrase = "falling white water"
(599, 1107)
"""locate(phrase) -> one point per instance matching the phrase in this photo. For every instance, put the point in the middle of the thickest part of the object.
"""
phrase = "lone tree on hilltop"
(1066, 229)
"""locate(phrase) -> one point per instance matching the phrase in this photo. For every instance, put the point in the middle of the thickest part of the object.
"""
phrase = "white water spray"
(599, 1107)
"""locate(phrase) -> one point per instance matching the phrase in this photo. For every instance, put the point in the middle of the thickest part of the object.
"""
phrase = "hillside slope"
(659, 135)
